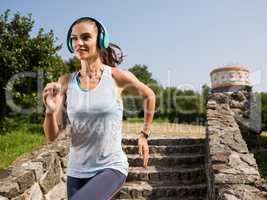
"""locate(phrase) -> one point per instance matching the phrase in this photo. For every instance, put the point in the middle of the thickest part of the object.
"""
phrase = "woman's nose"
(80, 41)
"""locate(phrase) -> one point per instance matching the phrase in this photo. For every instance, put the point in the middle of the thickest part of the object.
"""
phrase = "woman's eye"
(86, 37)
(73, 38)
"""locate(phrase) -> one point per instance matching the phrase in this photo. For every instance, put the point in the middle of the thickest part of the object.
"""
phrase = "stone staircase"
(176, 170)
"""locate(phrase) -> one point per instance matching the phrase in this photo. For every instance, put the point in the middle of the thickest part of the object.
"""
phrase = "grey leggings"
(102, 186)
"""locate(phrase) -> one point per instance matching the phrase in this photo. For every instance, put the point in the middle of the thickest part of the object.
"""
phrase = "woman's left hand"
(143, 149)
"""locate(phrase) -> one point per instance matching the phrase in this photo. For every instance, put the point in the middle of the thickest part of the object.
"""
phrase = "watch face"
(146, 135)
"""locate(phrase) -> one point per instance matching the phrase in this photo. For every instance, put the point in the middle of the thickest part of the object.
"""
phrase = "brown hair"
(112, 55)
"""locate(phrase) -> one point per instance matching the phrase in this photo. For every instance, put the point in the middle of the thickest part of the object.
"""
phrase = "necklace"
(93, 76)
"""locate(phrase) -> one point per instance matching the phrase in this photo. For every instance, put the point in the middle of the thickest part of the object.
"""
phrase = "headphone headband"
(103, 37)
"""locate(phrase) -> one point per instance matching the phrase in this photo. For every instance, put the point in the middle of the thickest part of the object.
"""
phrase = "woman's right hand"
(51, 96)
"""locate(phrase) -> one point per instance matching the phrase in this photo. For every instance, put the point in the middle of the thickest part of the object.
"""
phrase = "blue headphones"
(103, 37)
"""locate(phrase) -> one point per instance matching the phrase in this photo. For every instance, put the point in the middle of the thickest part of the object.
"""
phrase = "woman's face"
(84, 40)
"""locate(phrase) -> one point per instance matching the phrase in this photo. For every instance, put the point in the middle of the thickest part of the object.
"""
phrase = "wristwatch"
(145, 134)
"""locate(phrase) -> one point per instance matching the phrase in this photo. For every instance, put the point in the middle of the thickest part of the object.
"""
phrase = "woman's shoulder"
(64, 78)
(121, 76)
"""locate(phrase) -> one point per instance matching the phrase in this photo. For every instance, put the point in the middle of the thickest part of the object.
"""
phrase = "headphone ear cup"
(70, 47)
(69, 41)
(106, 40)
(101, 40)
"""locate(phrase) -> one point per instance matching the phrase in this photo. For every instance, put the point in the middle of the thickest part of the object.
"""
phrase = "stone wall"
(232, 169)
(39, 175)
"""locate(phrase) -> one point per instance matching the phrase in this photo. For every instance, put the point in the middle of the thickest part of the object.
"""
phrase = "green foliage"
(263, 96)
(8, 124)
(32, 123)
(133, 103)
(20, 53)
(171, 103)
(261, 156)
(205, 93)
(73, 64)
(142, 73)
(23, 53)
(182, 105)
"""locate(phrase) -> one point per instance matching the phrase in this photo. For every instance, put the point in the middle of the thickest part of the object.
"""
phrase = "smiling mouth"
(82, 50)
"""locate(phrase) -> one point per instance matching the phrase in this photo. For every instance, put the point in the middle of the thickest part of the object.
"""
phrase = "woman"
(97, 166)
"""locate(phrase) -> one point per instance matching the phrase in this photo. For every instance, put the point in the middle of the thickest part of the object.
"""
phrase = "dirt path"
(165, 130)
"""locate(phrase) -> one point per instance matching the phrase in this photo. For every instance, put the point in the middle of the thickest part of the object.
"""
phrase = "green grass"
(17, 142)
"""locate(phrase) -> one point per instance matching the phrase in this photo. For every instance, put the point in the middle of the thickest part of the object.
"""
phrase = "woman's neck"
(88, 68)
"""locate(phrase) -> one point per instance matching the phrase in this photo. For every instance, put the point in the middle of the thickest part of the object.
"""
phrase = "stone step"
(185, 176)
(163, 189)
(170, 198)
(165, 141)
(176, 170)
(187, 198)
(135, 160)
(167, 149)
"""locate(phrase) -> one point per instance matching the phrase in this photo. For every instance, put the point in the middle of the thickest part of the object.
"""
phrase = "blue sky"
(181, 41)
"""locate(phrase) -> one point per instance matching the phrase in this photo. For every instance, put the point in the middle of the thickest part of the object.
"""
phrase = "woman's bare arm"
(127, 80)
(53, 120)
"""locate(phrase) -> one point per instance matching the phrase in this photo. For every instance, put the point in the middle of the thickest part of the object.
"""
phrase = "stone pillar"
(232, 120)
(244, 103)
(230, 79)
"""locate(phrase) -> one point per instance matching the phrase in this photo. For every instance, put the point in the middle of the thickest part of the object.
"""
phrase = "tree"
(19, 52)
(133, 104)
(182, 105)
(204, 99)
(264, 110)
(73, 64)
(142, 73)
